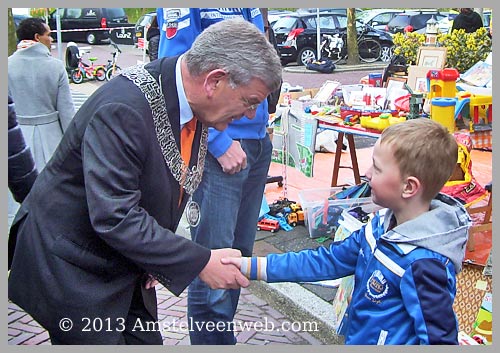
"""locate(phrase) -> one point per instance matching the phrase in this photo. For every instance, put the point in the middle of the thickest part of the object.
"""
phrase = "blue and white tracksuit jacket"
(405, 281)
(179, 27)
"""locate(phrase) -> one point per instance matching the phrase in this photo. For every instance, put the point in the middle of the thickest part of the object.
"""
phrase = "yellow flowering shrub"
(463, 49)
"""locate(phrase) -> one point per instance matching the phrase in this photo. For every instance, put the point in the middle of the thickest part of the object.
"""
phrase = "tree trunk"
(12, 38)
(352, 38)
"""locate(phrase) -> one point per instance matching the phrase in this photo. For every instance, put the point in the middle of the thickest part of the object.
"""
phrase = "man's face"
(230, 104)
(385, 178)
(45, 38)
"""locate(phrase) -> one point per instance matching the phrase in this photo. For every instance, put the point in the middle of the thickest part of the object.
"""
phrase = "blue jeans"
(230, 206)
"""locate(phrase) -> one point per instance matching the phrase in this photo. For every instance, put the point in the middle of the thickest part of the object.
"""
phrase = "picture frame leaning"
(417, 77)
(434, 57)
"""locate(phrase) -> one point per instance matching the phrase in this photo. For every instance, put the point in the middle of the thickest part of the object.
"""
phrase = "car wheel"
(306, 55)
(386, 53)
(91, 38)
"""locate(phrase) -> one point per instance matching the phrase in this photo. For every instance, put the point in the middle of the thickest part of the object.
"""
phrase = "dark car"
(91, 25)
(18, 18)
(296, 35)
(412, 21)
(143, 21)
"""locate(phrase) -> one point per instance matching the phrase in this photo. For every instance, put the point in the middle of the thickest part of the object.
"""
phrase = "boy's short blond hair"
(425, 150)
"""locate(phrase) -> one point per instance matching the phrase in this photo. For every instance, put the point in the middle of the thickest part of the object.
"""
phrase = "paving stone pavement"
(256, 323)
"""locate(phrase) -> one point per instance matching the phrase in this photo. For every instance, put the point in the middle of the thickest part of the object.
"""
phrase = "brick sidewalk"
(23, 330)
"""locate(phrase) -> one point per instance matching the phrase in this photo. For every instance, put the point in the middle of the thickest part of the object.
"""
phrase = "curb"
(300, 305)
(338, 68)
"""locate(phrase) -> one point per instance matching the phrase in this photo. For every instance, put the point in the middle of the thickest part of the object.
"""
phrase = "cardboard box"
(322, 211)
(311, 92)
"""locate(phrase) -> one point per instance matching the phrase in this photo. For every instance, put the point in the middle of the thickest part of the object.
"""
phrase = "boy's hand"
(236, 261)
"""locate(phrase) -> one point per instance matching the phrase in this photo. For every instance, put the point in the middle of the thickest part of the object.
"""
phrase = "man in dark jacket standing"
(96, 232)
(467, 19)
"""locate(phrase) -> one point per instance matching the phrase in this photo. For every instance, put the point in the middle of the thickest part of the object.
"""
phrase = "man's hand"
(234, 159)
(221, 276)
(236, 261)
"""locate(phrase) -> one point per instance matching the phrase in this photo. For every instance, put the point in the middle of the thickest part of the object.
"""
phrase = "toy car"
(268, 224)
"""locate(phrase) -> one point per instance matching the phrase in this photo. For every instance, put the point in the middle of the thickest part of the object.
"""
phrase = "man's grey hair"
(238, 47)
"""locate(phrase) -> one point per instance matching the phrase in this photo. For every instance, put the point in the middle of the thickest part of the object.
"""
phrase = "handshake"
(221, 272)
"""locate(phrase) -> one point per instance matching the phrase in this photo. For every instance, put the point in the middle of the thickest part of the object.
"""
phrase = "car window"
(73, 13)
(382, 18)
(115, 12)
(420, 21)
(326, 22)
(288, 23)
(89, 13)
(343, 21)
(400, 21)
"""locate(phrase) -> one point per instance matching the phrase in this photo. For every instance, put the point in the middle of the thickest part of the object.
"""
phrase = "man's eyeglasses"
(248, 105)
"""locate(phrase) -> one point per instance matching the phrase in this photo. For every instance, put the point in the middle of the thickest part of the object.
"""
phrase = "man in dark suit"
(97, 230)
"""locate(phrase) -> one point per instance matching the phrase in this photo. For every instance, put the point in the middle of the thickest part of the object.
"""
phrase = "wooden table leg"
(336, 161)
(354, 159)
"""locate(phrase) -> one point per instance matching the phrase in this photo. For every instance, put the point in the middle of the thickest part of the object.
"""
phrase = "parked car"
(296, 35)
(143, 21)
(275, 15)
(18, 18)
(377, 18)
(412, 21)
(341, 10)
(89, 25)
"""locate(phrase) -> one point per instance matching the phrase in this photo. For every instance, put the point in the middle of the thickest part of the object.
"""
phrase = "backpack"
(323, 65)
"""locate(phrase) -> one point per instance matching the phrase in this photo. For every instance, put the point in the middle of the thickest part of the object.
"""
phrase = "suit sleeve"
(21, 166)
(115, 148)
(428, 286)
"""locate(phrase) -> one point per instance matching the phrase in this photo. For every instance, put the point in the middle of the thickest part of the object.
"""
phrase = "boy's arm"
(428, 288)
(339, 260)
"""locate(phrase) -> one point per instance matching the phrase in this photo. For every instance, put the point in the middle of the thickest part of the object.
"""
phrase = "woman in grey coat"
(39, 85)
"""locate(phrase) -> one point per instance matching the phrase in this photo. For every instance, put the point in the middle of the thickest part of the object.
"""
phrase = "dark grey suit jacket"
(101, 216)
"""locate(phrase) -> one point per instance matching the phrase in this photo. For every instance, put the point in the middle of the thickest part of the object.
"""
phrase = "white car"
(377, 18)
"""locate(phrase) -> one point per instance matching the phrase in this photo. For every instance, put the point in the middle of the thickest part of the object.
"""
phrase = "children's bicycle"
(88, 71)
(112, 69)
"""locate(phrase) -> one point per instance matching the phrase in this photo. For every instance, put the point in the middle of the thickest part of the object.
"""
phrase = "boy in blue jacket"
(405, 260)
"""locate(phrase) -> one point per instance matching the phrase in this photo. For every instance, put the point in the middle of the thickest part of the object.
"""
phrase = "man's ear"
(212, 80)
(411, 187)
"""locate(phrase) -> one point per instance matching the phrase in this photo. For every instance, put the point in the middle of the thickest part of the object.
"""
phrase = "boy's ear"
(411, 187)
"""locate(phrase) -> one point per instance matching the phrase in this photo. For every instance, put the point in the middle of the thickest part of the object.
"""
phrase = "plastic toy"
(268, 224)
(381, 122)
(442, 83)
(443, 112)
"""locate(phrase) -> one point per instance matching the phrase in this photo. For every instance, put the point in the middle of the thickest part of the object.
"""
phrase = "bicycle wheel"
(100, 74)
(77, 76)
(369, 50)
(110, 73)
